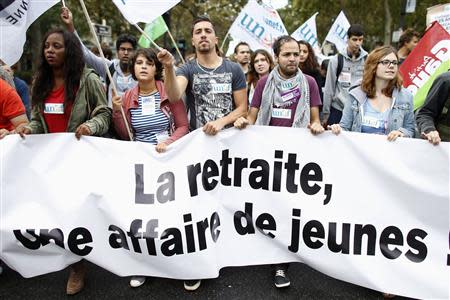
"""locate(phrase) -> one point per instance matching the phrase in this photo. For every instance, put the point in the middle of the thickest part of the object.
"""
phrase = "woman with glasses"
(379, 105)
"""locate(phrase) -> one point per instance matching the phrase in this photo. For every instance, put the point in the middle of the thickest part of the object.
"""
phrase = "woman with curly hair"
(67, 97)
(149, 114)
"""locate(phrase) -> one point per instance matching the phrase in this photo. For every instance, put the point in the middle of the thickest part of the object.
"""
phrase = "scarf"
(272, 96)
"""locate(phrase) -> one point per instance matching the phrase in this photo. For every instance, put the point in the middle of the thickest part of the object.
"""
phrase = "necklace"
(146, 93)
(209, 72)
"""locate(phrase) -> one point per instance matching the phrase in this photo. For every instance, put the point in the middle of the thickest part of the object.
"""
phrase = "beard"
(288, 72)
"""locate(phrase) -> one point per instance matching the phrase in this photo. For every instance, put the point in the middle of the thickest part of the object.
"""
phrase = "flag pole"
(91, 27)
(63, 3)
(176, 46)
(223, 43)
(147, 36)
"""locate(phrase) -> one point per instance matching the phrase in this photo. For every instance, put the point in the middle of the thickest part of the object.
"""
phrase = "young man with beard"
(125, 45)
(215, 87)
(288, 98)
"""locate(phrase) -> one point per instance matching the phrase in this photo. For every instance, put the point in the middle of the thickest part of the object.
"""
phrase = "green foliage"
(370, 13)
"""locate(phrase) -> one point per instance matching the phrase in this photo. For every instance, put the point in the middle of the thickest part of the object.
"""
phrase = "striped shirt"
(148, 121)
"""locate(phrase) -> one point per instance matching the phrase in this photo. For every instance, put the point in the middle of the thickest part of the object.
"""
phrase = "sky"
(276, 3)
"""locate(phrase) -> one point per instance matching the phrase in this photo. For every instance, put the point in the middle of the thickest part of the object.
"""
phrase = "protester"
(286, 97)
(12, 111)
(242, 54)
(345, 69)
(261, 64)
(408, 40)
(119, 68)
(67, 97)
(433, 119)
(150, 115)
(380, 105)
(215, 87)
(310, 66)
(21, 88)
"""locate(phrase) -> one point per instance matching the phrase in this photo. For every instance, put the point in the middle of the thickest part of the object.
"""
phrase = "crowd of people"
(153, 101)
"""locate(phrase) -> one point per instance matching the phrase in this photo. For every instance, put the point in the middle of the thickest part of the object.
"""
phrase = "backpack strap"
(112, 70)
(340, 65)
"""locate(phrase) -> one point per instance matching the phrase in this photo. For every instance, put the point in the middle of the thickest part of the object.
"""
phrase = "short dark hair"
(199, 19)
(151, 55)
(126, 38)
(240, 44)
(280, 41)
(407, 36)
(355, 30)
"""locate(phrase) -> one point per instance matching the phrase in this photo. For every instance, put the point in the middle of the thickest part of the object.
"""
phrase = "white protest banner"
(338, 31)
(15, 18)
(378, 218)
(136, 11)
(231, 45)
(258, 25)
(440, 13)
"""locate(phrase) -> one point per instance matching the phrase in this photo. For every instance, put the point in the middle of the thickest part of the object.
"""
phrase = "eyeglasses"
(388, 62)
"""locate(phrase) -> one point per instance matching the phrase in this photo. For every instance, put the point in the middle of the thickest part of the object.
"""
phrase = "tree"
(379, 18)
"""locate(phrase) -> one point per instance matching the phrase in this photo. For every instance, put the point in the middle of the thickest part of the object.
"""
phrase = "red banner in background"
(428, 59)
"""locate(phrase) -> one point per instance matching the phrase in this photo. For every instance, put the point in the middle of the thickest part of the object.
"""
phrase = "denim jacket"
(401, 116)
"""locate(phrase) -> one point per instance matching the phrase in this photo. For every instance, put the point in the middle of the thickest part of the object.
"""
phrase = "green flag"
(154, 30)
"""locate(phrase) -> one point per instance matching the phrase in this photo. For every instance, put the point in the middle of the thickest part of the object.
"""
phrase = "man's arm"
(174, 85)
(92, 60)
(240, 102)
(434, 103)
(18, 121)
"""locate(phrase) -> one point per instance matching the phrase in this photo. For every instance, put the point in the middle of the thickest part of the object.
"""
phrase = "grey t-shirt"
(209, 94)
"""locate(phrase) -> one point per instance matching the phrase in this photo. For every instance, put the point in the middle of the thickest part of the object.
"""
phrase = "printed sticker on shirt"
(281, 113)
(372, 122)
(291, 95)
(345, 78)
(220, 88)
(54, 108)
(148, 106)
(288, 85)
(162, 136)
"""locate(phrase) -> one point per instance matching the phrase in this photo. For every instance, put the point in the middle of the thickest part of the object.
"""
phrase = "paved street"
(234, 283)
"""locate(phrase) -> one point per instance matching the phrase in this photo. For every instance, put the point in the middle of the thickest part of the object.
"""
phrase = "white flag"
(258, 25)
(338, 31)
(15, 18)
(307, 32)
(146, 11)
